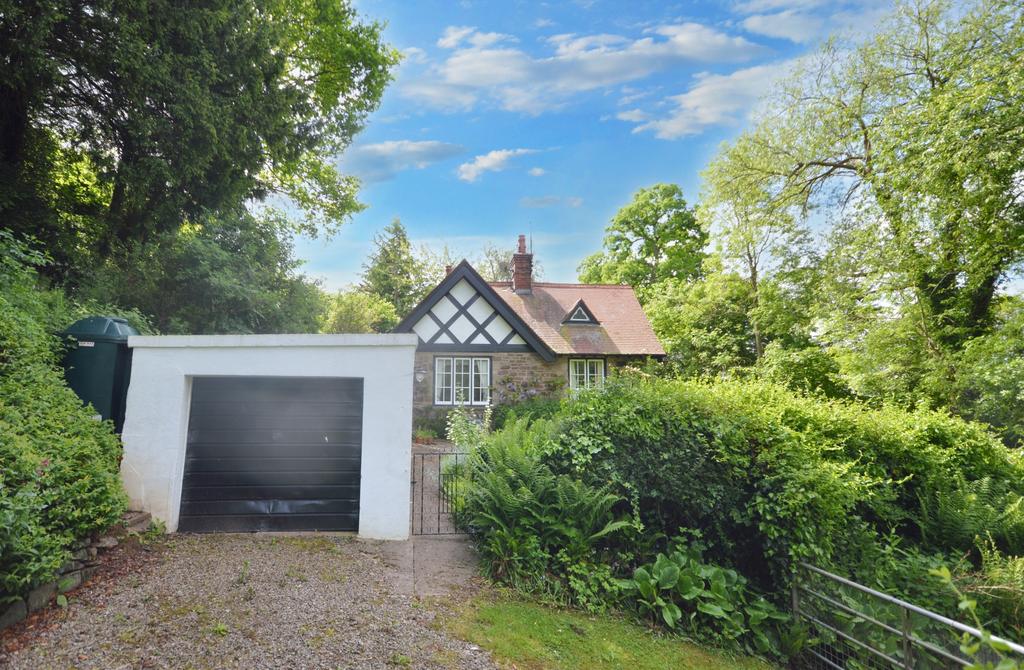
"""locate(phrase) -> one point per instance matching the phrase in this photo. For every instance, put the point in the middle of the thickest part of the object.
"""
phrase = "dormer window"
(580, 314)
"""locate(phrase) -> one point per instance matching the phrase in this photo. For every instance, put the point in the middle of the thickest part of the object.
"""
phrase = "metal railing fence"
(853, 626)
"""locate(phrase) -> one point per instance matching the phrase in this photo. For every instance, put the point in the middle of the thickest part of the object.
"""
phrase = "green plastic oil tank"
(97, 364)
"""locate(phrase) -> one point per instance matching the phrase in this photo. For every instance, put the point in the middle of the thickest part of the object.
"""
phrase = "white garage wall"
(156, 420)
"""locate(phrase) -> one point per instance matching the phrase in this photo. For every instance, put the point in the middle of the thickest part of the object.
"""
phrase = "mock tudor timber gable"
(465, 314)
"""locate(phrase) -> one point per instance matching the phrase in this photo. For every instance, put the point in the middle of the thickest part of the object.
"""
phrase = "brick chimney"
(522, 268)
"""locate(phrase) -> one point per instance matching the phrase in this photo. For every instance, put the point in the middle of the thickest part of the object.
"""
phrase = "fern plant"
(527, 518)
(970, 509)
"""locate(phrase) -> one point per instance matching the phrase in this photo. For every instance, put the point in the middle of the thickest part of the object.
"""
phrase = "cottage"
(486, 343)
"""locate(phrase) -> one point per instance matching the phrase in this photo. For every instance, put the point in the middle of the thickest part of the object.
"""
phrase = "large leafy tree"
(910, 145)
(226, 273)
(179, 110)
(754, 237)
(654, 237)
(705, 325)
(358, 312)
(395, 272)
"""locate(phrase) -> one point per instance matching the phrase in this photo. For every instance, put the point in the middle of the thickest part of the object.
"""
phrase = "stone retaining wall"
(82, 565)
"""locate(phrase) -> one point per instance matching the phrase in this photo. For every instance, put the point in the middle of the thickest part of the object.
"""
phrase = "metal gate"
(439, 486)
(856, 627)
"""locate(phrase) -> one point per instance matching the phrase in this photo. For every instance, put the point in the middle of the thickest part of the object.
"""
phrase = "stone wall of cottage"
(515, 376)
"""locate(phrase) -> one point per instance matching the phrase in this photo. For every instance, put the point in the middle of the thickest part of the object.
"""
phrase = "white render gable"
(464, 316)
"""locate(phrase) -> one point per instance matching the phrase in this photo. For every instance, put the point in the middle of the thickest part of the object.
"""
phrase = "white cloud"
(479, 69)
(440, 95)
(790, 25)
(536, 172)
(414, 55)
(543, 23)
(382, 161)
(492, 161)
(453, 35)
(537, 202)
(634, 115)
(631, 95)
(714, 100)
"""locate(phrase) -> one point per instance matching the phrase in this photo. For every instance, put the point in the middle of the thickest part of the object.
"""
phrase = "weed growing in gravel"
(400, 660)
(313, 544)
(250, 594)
(243, 576)
(333, 576)
(219, 629)
(317, 638)
(157, 531)
(296, 573)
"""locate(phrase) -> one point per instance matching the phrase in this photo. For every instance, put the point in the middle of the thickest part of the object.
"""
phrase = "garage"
(273, 454)
(240, 433)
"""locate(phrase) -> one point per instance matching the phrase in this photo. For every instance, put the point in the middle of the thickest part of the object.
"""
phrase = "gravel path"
(253, 601)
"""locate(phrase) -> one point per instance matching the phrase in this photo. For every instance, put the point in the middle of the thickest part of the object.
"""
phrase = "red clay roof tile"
(623, 327)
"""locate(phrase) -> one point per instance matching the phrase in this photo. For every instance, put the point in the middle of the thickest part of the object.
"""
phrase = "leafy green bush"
(59, 467)
(537, 530)
(771, 476)
(535, 407)
(997, 587)
(810, 369)
(678, 588)
(767, 477)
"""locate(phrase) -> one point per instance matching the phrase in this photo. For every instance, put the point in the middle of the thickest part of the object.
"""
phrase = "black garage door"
(272, 453)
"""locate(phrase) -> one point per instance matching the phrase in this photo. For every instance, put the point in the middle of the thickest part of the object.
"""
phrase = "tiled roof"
(622, 326)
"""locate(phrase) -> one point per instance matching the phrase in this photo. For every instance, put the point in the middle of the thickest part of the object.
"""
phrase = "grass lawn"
(527, 635)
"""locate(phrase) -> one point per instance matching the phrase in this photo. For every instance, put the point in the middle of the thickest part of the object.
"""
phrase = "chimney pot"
(522, 244)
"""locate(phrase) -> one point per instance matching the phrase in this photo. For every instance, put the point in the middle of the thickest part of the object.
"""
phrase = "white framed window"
(586, 373)
(481, 381)
(462, 380)
(442, 381)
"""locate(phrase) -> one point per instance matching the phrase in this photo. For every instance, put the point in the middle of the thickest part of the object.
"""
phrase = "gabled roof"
(464, 271)
(622, 326)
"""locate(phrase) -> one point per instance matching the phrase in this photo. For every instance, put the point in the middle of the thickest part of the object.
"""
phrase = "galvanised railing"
(853, 626)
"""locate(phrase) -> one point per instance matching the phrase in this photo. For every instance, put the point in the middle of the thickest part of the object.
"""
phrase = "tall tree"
(911, 143)
(394, 272)
(751, 234)
(654, 237)
(181, 108)
(358, 312)
(226, 273)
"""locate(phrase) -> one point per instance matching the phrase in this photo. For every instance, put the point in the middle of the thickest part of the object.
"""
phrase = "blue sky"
(544, 118)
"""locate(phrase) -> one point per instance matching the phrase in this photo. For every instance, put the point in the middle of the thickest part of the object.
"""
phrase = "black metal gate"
(439, 486)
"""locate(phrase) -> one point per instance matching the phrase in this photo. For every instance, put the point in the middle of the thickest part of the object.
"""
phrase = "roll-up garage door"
(273, 453)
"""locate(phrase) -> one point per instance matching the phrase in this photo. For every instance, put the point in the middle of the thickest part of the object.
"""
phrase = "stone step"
(136, 521)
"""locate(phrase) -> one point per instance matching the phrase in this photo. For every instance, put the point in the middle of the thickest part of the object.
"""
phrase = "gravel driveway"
(252, 601)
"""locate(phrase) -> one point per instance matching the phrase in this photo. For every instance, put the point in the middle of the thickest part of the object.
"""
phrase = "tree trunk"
(758, 344)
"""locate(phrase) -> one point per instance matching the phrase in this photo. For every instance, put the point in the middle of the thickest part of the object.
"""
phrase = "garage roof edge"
(292, 340)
